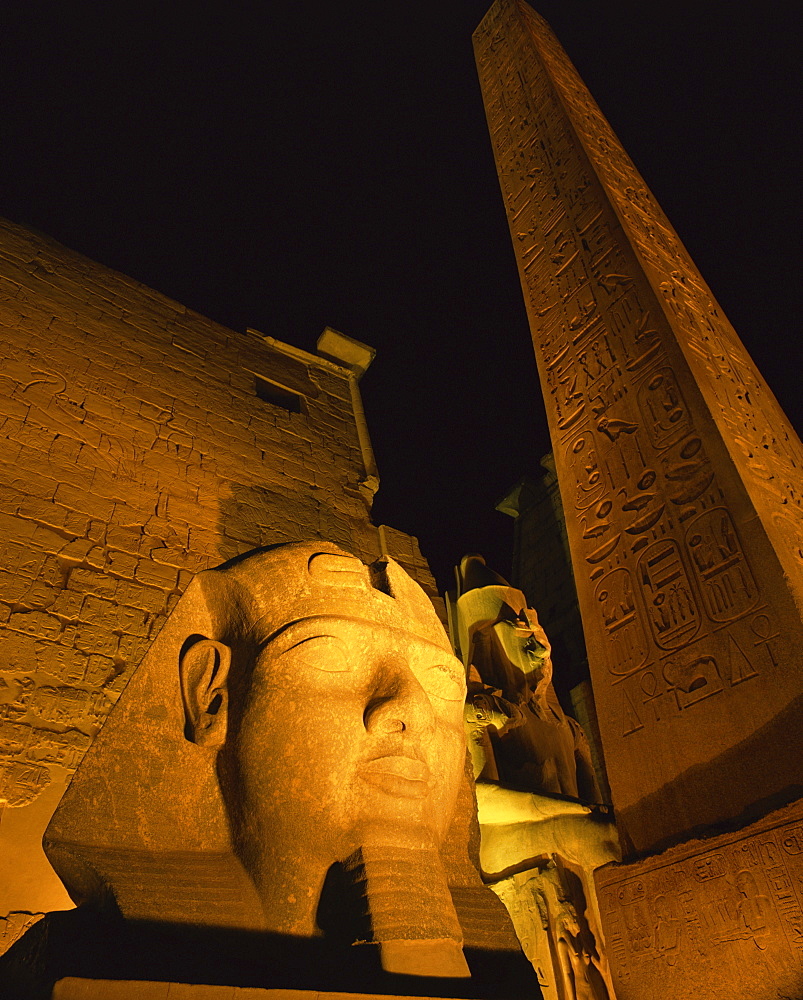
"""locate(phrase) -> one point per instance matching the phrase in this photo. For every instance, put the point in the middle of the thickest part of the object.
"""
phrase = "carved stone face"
(502, 637)
(525, 647)
(337, 710)
(351, 730)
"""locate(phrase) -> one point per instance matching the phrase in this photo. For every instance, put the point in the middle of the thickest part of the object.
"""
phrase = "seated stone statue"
(543, 831)
(283, 777)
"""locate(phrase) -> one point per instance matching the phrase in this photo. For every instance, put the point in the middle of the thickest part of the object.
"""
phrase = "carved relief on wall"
(660, 692)
(664, 409)
(673, 614)
(53, 699)
(543, 172)
(732, 913)
(722, 571)
(626, 643)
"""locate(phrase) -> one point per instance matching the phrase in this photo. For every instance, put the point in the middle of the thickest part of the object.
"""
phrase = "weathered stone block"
(12, 586)
(155, 575)
(17, 652)
(84, 502)
(94, 638)
(90, 581)
(122, 564)
(35, 623)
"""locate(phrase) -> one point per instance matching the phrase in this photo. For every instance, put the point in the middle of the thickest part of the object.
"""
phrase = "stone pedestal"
(108, 989)
(717, 918)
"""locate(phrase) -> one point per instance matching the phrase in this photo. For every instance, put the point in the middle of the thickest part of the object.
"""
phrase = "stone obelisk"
(681, 481)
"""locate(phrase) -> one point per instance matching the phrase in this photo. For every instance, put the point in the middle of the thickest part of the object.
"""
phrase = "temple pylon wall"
(139, 444)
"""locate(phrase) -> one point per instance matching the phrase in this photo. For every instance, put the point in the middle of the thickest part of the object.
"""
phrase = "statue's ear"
(204, 669)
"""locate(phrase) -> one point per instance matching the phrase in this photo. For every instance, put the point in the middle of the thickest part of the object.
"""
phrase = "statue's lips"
(398, 775)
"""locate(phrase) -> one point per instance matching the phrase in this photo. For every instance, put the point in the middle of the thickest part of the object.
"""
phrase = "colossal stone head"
(336, 705)
(299, 710)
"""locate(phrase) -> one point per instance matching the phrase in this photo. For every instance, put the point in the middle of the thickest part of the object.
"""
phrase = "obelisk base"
(720, 918)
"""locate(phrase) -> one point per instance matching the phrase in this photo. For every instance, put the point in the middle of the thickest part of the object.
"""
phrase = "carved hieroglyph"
(299, 711)
(679, 473)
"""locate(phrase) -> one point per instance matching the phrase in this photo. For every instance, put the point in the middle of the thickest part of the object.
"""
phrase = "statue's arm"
(520, 826)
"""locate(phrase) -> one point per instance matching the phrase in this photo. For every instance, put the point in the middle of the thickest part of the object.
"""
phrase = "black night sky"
(287, 166)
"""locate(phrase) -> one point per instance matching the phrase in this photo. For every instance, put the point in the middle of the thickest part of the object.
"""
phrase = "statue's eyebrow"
(254, 627)
(413, 638)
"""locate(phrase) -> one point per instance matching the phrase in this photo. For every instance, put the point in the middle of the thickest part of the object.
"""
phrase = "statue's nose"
(398, 702)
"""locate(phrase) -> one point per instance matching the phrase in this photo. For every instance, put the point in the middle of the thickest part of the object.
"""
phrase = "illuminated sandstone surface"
(284, 777)
(141, 443)
(144, 443)
(84, 989)
(722, 914)
(679, 472)
(309, 710)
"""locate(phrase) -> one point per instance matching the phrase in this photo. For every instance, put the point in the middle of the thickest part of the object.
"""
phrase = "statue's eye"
(444, 680)
(321, 652)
